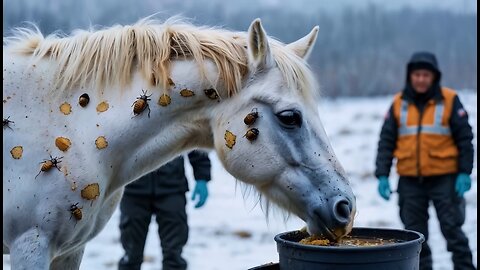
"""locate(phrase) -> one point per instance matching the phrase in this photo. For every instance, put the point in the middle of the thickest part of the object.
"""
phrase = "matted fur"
(110, 56)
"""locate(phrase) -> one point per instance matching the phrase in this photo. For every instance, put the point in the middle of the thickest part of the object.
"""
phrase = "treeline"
(360, 51)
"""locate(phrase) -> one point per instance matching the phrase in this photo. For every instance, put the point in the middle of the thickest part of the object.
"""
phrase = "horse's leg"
(70, 260)
(30, 251)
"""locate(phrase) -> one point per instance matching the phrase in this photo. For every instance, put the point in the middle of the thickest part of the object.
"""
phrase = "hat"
(424, 60)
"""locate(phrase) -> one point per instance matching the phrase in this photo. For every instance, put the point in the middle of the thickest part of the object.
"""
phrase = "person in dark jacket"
(162, 193)
(426, 129)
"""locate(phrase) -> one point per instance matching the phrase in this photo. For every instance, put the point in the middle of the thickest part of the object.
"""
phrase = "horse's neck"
(139, 144)
(136, 144)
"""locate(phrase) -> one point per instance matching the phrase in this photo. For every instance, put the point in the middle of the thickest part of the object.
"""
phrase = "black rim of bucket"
(404, 244)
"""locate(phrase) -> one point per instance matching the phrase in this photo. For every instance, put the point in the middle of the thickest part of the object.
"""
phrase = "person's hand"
(384, 187)
(201, 191)
(463, 184)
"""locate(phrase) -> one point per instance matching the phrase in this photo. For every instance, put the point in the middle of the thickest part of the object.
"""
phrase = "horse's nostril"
(342, 211)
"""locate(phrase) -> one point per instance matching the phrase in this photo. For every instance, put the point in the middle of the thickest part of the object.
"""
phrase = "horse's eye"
(290, 118)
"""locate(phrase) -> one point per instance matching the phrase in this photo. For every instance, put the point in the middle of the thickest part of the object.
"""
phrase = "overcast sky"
(468, 6)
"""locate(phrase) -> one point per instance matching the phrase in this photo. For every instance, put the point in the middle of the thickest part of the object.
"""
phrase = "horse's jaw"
(312, 199)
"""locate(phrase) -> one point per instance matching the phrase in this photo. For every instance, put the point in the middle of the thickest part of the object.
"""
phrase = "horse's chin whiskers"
(248, 190)
(261, 200)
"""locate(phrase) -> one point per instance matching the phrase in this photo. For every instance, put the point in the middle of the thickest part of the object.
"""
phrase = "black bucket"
(401, 255)
(268, 266)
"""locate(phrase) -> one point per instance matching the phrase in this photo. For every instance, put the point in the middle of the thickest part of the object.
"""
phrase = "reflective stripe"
(436, 128)
(438, 114)
(403, 131)
(403, 113)
(412, 130)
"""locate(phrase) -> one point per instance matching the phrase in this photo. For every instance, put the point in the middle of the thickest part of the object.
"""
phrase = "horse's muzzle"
(332, 219)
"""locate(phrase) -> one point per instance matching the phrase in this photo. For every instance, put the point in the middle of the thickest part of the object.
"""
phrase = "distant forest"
(359, 51)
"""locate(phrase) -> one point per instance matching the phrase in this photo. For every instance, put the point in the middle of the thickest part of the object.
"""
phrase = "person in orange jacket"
(427, 131)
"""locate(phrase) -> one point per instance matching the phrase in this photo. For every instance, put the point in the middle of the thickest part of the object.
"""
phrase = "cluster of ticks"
(139, 106)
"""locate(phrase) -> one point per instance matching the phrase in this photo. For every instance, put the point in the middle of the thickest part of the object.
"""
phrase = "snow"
(353, 125)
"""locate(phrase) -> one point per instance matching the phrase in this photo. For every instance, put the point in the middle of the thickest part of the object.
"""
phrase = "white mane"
(109, 57)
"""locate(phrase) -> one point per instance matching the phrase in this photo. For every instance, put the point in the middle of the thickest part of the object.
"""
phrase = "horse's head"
(281, 147)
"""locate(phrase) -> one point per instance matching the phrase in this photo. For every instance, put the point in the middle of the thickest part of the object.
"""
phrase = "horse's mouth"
(319, 227)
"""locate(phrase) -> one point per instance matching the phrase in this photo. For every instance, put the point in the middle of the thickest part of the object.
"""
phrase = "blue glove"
(201, 191)
(463, 184)
(384, 187)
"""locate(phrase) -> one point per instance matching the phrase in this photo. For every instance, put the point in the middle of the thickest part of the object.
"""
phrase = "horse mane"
(110, 56)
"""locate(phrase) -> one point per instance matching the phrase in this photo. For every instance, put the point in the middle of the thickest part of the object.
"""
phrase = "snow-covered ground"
(230, 233)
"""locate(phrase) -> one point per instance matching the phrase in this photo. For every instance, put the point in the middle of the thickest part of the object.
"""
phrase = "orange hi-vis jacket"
(425, 146)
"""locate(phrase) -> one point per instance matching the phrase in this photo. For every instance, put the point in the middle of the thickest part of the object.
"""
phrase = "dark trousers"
(414, 199)
(135, 218)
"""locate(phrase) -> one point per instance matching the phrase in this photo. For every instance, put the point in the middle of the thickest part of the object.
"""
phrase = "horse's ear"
(304, 46)
(259, 55)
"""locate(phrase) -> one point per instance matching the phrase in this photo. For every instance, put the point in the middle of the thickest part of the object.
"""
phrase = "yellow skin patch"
(17, 152)
(187, 93)
(101, 142)
(66, 108)
(164, 100)
(102, 107)
(91, 191)
(230, 139)
(63, 143)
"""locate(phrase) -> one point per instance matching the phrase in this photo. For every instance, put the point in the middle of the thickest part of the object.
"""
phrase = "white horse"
(66, 162)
